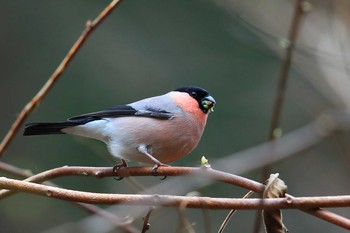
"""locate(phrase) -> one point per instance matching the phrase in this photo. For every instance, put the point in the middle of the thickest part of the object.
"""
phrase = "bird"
(157, 130)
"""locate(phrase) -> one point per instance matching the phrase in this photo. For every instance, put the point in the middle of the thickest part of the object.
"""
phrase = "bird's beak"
(208, 103)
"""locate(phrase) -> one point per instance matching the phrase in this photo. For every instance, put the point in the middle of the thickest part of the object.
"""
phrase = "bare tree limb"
(176, 201)
(330, 217)
(117, 221)
(100, 172)
(28, 108)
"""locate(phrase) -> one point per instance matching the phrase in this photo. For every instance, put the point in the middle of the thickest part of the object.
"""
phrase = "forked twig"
(28, 108)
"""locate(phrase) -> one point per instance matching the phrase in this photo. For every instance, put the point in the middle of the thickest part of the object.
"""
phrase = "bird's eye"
(193, 94)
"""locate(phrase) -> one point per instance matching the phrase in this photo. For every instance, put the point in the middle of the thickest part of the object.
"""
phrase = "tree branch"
(13, 170)
(28, 108)
(47, 175)
(101, 172)
(172, 171)
(285, 68)
(175, 201)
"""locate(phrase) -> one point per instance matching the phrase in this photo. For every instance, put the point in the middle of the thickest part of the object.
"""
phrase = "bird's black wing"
(118, 111)
(124, 110)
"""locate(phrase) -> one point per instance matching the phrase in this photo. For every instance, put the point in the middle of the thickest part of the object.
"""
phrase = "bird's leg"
(144, 149)
(118, 166)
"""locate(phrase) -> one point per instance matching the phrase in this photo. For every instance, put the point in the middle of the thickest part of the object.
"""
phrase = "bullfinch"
(156, 130)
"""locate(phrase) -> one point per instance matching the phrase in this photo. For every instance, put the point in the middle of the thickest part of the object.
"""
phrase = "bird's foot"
(119, 166)
(155, 168)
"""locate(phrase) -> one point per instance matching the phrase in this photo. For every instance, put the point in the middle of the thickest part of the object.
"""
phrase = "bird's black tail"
(47, 128)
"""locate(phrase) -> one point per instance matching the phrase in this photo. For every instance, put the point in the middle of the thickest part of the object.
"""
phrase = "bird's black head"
(205, 101)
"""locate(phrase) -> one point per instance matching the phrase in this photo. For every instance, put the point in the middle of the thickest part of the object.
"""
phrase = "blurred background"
(233, 48)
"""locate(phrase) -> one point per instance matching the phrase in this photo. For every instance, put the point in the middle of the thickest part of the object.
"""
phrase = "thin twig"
(146, 224)
(231, 213)
(28, 108)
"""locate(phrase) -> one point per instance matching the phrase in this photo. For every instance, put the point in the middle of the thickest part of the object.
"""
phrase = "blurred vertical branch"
(146, 224)
(289, 45)
(28, 108)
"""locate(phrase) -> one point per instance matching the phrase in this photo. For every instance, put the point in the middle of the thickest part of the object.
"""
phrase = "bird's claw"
(155, 168)
(117, 167)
